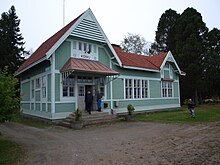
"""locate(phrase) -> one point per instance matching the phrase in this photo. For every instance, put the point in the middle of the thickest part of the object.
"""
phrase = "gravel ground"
(129, 143)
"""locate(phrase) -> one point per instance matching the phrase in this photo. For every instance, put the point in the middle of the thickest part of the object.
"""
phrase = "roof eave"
(142, 69)
(31, 65)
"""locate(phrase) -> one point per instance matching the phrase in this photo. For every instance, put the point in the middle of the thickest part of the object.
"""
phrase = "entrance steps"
(95, 118)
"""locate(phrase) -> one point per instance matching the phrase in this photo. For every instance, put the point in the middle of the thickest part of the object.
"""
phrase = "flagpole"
(63, 12)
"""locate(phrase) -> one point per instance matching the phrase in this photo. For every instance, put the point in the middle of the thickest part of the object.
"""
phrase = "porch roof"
(87, 66)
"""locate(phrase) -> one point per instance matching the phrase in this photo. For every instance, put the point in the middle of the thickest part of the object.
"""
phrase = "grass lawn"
(10, 152)
(33, 123)
(204, 113)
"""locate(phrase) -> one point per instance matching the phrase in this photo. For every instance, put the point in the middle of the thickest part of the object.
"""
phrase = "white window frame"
(44, 87)
(137, 88)
(32, 89)
(144, 89)
(69, 83)
(167, 89)
(128, 88)
(38, 83)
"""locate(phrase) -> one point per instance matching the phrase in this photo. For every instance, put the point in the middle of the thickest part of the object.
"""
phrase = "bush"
(130, 109)
(9, 102)
(78, 115)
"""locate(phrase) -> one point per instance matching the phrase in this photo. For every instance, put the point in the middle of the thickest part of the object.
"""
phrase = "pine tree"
(165, 25)
(211, 63)
(188, 38)
(11, 41)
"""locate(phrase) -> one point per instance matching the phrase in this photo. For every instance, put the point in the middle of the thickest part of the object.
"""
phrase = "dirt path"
(120, 143)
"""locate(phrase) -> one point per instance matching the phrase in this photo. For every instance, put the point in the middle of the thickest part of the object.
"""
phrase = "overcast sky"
(42, 18)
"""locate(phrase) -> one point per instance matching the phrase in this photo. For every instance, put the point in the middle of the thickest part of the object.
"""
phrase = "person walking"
(89, 101)
(191, 108)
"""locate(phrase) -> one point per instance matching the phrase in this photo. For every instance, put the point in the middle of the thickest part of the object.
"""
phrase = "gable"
(84, 26)
(89, 29)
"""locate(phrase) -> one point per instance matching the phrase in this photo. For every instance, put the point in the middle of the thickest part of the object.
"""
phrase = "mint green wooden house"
(78, 58)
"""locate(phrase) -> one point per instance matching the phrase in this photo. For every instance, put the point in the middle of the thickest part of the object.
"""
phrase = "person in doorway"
(89, 100)
(99, 101)
(191, 108)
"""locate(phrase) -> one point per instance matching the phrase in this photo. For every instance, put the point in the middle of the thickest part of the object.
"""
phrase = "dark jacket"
(89, 98)
(191, 105)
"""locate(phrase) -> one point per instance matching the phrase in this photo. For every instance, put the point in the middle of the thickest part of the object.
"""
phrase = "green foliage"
(11, 47)
(134, 43)
(195, 49)
(204, 113)
(211, 74)
(130, 109)
(78, 115)
(165, 25)
(10, 152)
(9, 102)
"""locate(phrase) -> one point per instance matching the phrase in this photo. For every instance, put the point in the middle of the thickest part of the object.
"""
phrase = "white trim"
(138, 68)
(107, 41)
(25, 81)
(53, 83)
(148, 108)
(169, 54)
(47, 115)
(68, 32)
(138, 77)
(30, 66)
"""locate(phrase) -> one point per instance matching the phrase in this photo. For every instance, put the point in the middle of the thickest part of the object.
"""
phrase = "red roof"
(89, 66)
(46, 46)
(140, 61)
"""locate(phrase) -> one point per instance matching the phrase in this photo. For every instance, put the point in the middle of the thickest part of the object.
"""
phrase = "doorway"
(82, 91)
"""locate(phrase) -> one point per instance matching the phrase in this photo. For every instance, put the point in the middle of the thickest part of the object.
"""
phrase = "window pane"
(71, 91)
(74, 44)
(80, 45)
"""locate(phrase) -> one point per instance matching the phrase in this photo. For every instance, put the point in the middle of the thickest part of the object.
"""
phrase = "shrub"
(130, 109)
(9, 101)
(78, 115)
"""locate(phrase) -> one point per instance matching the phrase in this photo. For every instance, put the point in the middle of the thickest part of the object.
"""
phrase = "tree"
(11, 41)
(9, 102)
(165, 25)
(134, 43)
(188, 37)
(211, 64)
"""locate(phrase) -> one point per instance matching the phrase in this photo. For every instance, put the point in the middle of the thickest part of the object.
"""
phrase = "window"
(68, 87)
(128, 88)
(167, 65)
(74, 44)
(94, 48)
(38, 83)
(137, 89)
(170, 89)
(32, 89)
(81, 91)
(167, 89)
(144, 89)
(102, 86)
(80, 45)
(89, 48)
(85, 47)
(44, 87)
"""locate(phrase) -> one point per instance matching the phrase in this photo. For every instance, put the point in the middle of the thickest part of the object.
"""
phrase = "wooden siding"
(62, 54)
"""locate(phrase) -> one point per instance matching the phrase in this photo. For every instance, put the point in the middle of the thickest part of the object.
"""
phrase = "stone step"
(90, 119)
